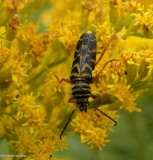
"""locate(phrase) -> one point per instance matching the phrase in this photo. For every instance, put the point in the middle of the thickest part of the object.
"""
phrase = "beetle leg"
(106, 47)
(72, 100)
(63, 79)
(93, 79)
(96, 98)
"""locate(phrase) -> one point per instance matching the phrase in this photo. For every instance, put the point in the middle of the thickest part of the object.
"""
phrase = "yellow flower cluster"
(92, 127)
(144, 20)
(37, 44)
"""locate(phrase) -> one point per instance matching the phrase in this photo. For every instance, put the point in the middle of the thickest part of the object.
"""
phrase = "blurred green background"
(131, 139)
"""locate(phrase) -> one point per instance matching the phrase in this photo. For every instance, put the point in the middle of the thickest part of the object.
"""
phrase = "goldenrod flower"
(144, 19)
(37, 45)
(93, 127)
(123, 94)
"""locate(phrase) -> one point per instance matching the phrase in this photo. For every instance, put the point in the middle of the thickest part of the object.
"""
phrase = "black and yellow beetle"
(81, 74)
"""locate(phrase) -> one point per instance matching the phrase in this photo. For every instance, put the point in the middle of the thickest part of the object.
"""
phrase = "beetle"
(81, 74)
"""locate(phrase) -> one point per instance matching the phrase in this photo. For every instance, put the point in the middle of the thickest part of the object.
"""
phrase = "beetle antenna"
(68, 121)
(115, 123)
